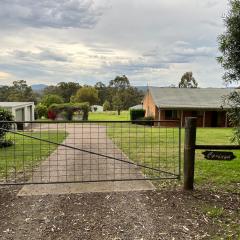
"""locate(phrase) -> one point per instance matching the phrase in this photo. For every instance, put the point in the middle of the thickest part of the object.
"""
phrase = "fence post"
(189, 152)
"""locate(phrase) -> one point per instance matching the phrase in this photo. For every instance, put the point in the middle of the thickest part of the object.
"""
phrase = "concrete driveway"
(71, 165)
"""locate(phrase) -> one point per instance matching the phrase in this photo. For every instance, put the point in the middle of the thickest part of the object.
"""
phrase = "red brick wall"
(149, 106)
(152, 110)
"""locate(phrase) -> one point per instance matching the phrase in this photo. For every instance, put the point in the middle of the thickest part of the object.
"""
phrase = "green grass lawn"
(216, 172)
(109, 116)
(26, 152)
(158, 147)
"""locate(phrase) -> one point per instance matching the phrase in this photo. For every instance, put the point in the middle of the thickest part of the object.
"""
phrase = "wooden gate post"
(189, 152)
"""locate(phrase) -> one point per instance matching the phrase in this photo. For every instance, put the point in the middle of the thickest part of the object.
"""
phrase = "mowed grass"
(158, 148)
(218, 173)
(109, 116)
(27, 153)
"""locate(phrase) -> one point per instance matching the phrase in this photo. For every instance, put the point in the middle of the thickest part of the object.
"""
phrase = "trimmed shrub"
(41, 111)
(5, 116)
(68, 109)
(136, 114)
(52, 115)
(146, 121)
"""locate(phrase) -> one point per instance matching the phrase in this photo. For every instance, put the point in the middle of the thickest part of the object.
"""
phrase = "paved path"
(70, 165)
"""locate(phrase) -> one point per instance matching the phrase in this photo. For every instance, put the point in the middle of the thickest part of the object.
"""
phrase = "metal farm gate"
(89, 151)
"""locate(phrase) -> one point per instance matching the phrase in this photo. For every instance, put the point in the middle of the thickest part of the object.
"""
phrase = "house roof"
(189, 98)
(14, 104)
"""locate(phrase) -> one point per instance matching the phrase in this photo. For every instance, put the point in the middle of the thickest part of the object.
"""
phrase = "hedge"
(69, 109)
(5, 116)
(136, 114)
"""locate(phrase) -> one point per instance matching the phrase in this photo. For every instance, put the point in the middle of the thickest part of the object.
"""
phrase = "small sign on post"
(218, 155)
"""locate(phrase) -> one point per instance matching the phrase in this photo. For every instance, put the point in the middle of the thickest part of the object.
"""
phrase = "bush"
(41, 111)
(106, 106)
(68, 109)
(146, 121)
(136, 114)
(50, 99)
(5, 117)
(5, 143)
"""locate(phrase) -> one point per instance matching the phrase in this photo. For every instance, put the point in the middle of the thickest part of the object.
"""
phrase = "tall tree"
(120, 82)
(86, 94)
(20, 92)
(188, 81)
(102, 92)
(229, 46)
(67, 89)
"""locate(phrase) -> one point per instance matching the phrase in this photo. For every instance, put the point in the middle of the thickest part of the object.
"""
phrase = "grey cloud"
(43, 55)
(45, 13)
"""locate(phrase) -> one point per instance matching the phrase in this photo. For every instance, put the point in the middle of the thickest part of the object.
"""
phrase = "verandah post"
(189, 152)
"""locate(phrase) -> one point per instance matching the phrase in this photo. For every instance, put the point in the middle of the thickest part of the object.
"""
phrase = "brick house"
(207, 104)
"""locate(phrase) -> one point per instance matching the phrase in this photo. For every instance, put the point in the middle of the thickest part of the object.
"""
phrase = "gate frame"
(176, 176)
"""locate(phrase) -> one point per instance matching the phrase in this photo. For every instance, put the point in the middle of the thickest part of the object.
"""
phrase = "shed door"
(20, 114)
(29, 113)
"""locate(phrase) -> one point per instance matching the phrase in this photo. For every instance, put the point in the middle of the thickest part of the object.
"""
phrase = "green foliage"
(69, 108)
(120, 82)
(229, 43)
(233, 101)
(86, 94)
(146, 121)
(118, 102)
(103, 93)
(50, 99)
(41, 111)
(5, 116)
(122, 95)
(135, 114)
(188, 81)
(106, 106)
(229, 46)
(214, 211)
(18, 92)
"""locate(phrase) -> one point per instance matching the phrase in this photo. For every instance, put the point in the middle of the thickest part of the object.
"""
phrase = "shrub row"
(137, 116)
(68, 109)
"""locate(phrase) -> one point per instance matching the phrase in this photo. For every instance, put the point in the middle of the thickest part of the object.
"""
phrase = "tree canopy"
(50, 99)
(86, 94)
(188, 81)
(18, 92)
(229, 46)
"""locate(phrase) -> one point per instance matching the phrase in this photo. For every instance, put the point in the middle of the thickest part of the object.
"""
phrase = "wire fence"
(59, 152)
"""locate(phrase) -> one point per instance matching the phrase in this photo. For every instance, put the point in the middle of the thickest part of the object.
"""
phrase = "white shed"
(96, 108)
(22, 111)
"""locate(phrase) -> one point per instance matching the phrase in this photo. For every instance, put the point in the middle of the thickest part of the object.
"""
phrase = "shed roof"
(189, 98)
(139, 106)
(15, 104)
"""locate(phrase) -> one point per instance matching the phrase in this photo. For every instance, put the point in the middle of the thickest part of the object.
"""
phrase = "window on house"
(170, 114)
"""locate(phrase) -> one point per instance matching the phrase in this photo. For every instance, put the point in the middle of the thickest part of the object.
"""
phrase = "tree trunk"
(118, 111)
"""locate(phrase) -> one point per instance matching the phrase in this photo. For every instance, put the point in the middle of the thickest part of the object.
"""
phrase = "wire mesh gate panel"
(59, 152)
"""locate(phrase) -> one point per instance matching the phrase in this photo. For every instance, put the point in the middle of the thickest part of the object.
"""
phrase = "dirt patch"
(127, 215)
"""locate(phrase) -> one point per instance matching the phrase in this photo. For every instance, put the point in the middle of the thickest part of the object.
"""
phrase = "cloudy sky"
(151, 41)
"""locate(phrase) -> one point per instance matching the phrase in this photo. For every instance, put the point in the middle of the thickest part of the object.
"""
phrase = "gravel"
(161, 214)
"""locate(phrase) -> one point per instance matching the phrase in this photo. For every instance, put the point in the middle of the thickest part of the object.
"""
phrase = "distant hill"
(38, 87)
